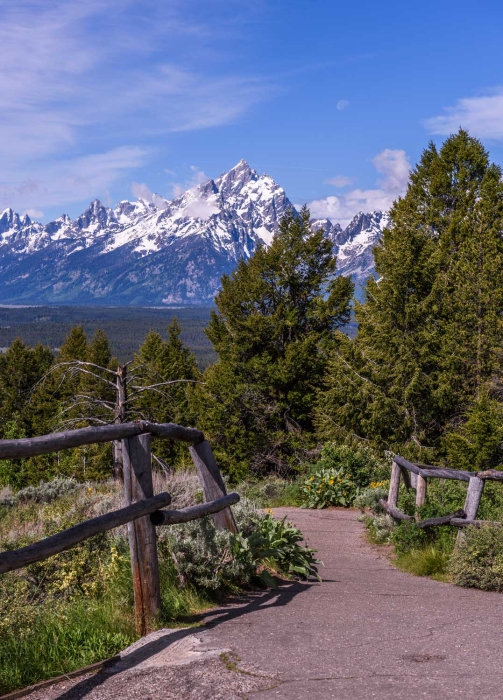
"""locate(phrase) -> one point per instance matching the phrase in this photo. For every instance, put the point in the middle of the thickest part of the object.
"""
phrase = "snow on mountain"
(161, 251)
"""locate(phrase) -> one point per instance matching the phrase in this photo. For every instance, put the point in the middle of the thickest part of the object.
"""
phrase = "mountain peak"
(155, 251)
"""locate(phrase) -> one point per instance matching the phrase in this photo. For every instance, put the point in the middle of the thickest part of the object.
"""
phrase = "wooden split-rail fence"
(416, 476)
(143, 511)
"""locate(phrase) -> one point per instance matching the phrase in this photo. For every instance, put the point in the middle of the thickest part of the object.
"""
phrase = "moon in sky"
(342, 104)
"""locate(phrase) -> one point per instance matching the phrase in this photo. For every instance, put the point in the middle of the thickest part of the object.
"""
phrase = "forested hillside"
(423, 376)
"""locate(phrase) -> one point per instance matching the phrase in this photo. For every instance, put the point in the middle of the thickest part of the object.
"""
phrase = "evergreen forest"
(422, 377)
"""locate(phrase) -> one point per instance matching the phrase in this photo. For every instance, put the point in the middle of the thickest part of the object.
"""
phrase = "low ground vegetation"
(76, 608)
(476, 561)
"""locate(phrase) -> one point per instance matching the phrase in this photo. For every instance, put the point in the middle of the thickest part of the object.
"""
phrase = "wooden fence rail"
(142, 512)
(416, 476)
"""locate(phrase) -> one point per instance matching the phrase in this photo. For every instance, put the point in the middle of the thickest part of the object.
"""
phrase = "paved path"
(367, 631)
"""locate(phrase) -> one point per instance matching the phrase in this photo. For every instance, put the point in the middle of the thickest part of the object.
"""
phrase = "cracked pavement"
(366, 631)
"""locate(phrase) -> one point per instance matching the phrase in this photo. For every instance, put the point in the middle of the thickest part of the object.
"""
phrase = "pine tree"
(21, 368)
(158, 363)
(275, 321)
(430, 330)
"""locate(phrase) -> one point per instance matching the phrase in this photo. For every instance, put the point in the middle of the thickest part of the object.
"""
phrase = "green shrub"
(47, 491)
(361, 464)
(284, 540)
(408, 535)
(272, 492)
(477, 562)
(328, 486)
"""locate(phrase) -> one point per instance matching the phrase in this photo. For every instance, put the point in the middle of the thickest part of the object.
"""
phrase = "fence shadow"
(235, 607)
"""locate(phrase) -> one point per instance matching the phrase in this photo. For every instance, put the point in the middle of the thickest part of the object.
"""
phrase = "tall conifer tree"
(275, 321)
(430, 331)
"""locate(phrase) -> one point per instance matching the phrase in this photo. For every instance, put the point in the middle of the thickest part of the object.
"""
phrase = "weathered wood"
(212, 483)
(394, 485)
(174, 432)
(430, 522)
(473, 496)
(491, 475)
(16, 559)
(29, 447)
(413, 480)
(421, 490)
(173, 517)
(120, 417)
(458, 522)
(394, 512)
(433, 472)
(137, 463)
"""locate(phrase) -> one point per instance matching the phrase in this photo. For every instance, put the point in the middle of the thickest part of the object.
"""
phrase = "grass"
(56, 637)
(429, 561)
(76, 608)
(60, 639)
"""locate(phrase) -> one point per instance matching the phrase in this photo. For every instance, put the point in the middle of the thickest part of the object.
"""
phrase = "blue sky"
(113, 99)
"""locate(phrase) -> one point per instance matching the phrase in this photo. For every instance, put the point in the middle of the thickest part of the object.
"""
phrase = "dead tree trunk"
(120, 417)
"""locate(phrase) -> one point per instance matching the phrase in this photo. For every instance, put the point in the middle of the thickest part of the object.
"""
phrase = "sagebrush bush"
(477, 561)
(369, 498)
(44, 492)
(380, 528)
(272, 492)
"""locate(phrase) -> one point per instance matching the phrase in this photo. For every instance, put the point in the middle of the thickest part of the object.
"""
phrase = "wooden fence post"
(138, 486)
(212, 483)
(473, 496)
(421, 487)
(394, 485)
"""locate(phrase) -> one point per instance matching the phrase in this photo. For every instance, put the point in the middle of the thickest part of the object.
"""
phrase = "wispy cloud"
(340, 181)
(198, 177)
(394, 168)
(482, 116)
(70, 180)
(97, 79)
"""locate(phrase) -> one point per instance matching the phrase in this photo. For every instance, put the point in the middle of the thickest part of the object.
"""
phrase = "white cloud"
(481, 116)
(141, 191)
(200, 208)
(75, 179)
(197, 178)
(33, 213)
(340, 181)
(342, 104)
(73, 74)
(394, 165)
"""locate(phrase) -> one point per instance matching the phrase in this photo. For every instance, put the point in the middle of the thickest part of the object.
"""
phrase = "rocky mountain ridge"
(161, 251)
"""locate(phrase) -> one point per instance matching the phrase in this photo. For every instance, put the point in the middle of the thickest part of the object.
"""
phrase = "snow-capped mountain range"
(160, 251)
